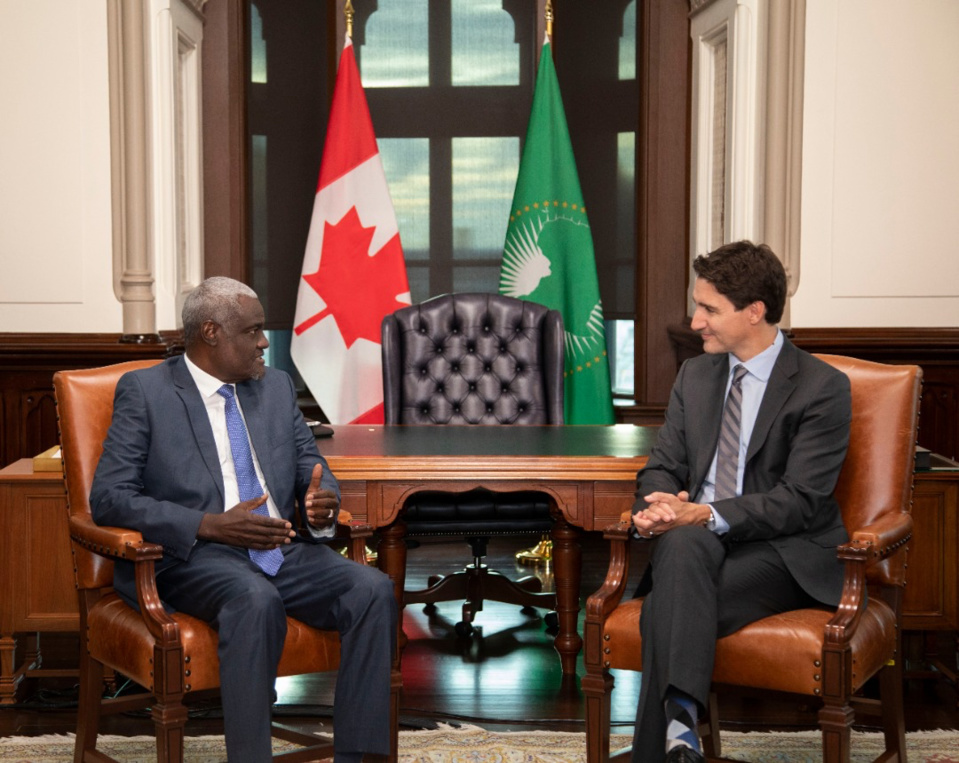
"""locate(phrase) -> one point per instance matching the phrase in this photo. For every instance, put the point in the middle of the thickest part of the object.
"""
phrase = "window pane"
(277, 355)
(620, 341)
(406, 163)
(480, 278)
(260, 230)
(396, 52)
(484, 51)
(626, 195)
(484, 178)
(627, 44)
(418, 276)
(257, 46)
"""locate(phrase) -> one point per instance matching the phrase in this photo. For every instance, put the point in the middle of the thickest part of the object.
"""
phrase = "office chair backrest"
(473, 359)
(876, 477)
(85, 410)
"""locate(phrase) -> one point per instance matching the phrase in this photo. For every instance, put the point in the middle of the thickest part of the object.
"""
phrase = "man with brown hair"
(737, 495)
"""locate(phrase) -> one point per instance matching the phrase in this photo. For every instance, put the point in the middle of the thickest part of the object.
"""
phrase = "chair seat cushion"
(118, 637)
(477, 512)
(782, 652)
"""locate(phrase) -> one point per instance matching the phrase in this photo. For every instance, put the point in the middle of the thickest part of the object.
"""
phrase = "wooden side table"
(37, 591)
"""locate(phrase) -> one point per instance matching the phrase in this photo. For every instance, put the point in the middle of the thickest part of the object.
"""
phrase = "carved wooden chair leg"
(88, 705)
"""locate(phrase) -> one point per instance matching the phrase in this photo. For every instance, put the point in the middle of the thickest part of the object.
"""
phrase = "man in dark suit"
(178, 466)
(736, 498)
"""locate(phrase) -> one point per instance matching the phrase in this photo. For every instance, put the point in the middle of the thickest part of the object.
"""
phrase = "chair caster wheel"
(552, 621)
(429, 608)
(463, 629)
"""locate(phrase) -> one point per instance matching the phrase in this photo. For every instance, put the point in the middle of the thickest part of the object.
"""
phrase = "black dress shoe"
(683, 754)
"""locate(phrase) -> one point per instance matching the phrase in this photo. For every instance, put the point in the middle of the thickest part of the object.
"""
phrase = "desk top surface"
(617, 441)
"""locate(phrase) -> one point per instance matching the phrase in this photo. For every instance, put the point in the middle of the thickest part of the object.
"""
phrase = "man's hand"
(239, 526)
(321, 505)
(665, 511)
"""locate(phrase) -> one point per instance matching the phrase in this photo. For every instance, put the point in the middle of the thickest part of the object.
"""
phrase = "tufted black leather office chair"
(475, 359)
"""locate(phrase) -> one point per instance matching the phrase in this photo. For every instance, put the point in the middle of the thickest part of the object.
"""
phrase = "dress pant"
(702, 589)
(316, 585)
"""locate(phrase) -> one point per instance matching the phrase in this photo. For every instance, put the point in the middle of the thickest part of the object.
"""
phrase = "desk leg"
(391, 559)
(9, 677)
(568, 564)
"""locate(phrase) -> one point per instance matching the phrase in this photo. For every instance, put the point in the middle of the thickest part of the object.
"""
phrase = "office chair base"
(476, 584)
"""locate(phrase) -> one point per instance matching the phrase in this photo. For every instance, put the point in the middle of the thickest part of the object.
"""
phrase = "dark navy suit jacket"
(793, 460)
(159, 471)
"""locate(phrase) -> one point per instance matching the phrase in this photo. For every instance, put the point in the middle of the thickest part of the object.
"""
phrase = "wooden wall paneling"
(662, 177)
(226, 231)
(28, 423)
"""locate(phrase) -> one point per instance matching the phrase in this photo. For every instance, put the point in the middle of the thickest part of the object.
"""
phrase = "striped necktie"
(269, 561)
(727, 459)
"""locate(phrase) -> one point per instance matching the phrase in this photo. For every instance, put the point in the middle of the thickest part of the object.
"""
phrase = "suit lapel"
(709, 417)
(199, 423)
(778, 390)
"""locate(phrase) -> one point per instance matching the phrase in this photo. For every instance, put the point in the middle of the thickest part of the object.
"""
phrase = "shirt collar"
(207, 384)
(761, 365)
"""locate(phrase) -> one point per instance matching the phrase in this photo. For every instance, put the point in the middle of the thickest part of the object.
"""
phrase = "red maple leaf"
(358, 289)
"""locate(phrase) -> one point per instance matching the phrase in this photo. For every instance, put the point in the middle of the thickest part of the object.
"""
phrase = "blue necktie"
(249, 485)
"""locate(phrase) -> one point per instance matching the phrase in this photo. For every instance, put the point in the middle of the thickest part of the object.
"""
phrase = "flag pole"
(542, 552)
(348, 13)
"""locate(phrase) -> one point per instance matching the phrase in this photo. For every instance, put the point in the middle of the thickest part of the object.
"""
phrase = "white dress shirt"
(216, 411)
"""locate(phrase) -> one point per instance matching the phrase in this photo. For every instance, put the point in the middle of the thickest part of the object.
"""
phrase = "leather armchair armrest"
(121, 543)
(114, 542)
(883, 537)
(868, 546)
(610, 593)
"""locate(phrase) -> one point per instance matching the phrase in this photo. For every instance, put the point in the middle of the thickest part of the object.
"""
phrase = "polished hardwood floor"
(506, 676)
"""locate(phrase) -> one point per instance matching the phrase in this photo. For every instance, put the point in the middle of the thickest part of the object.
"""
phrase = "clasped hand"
(665, 511)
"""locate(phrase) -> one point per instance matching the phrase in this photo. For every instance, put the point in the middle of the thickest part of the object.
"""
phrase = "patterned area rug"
(471, 744)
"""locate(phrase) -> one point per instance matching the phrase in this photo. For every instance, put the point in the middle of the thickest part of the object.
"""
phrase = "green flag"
(548, 257)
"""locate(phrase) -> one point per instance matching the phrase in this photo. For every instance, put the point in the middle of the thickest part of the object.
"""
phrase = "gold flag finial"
(348, 12)
(549, 19)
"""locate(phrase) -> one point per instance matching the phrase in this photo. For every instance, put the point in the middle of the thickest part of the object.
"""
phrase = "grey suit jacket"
(159, 471)
(792, 463)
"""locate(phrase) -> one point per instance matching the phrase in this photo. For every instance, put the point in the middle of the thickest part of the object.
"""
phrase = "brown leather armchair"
(475, 359)
(816, 652)
(169, 655)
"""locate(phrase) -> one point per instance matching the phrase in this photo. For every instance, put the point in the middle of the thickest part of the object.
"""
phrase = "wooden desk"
(588, 471)
(37, 591)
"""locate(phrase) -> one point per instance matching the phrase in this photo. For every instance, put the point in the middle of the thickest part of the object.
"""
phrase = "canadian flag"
(353, 268)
